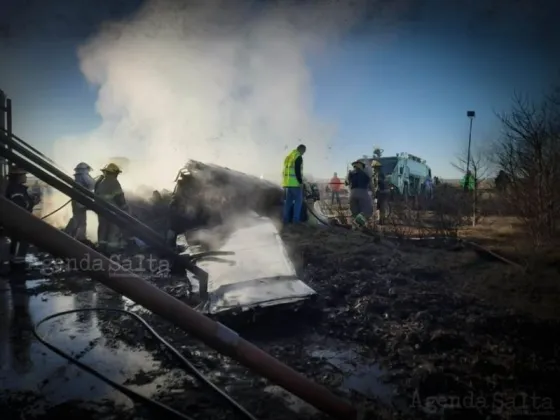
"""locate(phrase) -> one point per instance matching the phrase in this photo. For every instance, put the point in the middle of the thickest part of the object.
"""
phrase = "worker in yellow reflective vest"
(108, 187)
(292, 182)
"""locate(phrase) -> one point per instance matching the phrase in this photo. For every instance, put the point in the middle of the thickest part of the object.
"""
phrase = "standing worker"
(108, 187)
(428, 188)
(335, 186)
(77, 225)
(361, 204)
(17, 193)
(382, 195)
(292, 182)
(468, 182)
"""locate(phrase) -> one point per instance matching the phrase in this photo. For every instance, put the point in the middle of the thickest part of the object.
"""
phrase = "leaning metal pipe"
(137, 228)
(89, 200)
(34, 150)
(26, 226)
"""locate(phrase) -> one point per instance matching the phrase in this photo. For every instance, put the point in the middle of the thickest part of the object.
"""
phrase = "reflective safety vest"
(468, 181)
(289, 175)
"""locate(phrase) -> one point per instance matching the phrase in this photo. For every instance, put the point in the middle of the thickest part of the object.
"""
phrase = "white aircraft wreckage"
(221, 211)
(259, 272)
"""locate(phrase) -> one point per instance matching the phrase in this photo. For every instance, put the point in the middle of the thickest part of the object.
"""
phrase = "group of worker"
(360, 183)
(107, 186)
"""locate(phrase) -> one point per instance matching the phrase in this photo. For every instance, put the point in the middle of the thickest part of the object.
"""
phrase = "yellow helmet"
(375, 163)
(111, 168)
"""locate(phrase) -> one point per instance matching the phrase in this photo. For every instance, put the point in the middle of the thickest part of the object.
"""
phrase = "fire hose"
(64, 205)
(57, 210)
(187, 365)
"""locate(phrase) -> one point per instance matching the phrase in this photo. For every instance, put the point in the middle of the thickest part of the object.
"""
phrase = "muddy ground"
(417, 329)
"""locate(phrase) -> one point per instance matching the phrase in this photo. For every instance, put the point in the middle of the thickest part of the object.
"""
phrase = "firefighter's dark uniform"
(109, 236)
(17, 193)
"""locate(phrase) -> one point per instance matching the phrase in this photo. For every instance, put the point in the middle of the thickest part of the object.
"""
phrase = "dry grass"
(532, 286)
(464, 272)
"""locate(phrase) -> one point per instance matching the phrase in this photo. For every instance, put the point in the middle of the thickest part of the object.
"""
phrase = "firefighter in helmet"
(17, 193)
(77, 225)
(108, 187)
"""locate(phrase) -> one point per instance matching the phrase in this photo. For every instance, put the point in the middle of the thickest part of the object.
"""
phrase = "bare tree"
(480, 167)
(528, 152)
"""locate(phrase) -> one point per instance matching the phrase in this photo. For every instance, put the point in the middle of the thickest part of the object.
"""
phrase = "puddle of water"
(357, 373)
(26, 364)
(360, 375)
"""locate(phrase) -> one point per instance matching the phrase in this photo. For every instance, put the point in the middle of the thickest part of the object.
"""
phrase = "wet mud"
(393, 328)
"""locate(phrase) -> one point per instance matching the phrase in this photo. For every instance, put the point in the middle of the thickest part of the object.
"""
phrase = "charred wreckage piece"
(223, 212)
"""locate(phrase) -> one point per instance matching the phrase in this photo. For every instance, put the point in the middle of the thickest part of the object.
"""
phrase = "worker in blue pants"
(292, 182)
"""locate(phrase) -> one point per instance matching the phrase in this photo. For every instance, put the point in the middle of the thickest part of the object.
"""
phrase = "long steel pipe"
(23, 224)
(34, 150)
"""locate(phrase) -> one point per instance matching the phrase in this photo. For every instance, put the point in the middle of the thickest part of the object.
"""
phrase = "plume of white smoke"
(218, 81)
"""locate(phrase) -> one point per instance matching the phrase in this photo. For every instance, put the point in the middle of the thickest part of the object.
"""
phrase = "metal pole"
(469, 149)
(3, 165)
(9, 116)
(26, 226)
(471, 115)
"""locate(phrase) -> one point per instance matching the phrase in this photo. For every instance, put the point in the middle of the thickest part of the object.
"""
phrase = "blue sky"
(409, 93)
(412, 94)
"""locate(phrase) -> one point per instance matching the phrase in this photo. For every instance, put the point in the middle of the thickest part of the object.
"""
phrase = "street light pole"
(470, 115)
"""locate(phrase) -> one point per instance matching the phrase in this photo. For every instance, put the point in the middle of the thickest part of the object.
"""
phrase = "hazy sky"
(400, 76)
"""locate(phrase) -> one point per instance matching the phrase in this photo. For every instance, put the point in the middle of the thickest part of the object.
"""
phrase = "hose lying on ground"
(128, 392)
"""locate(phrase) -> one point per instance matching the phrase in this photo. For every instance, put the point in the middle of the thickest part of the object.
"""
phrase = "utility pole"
(470, 115)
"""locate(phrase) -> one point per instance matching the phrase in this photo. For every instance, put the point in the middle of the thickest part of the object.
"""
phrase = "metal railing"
(5, 125)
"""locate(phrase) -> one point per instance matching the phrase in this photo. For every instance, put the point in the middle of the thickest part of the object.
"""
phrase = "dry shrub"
(450, 210)
(404, 220)
(528, 154)
(442, 216)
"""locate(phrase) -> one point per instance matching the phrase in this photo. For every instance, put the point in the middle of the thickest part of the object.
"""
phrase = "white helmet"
(82, 167)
